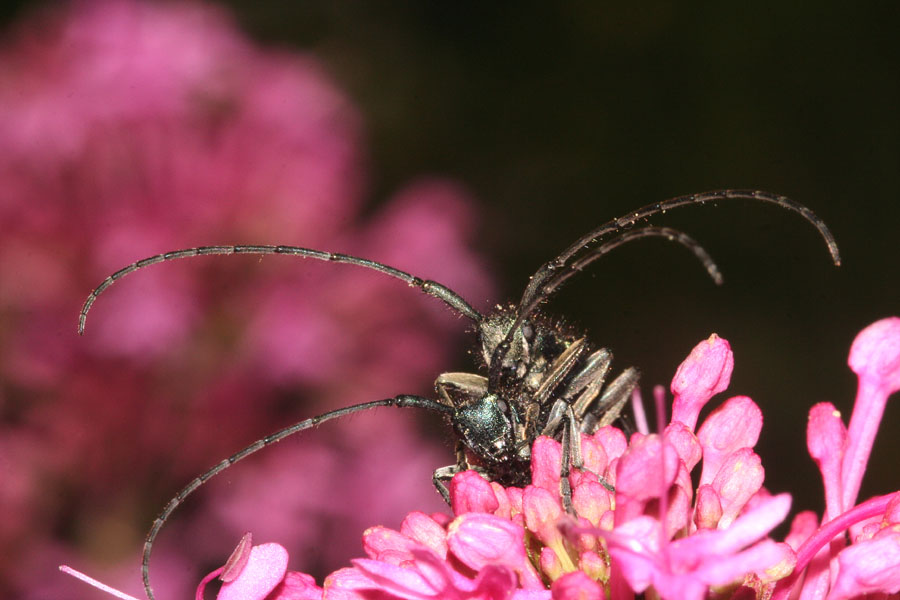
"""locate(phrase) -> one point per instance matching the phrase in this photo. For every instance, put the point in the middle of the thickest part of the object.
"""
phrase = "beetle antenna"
(551, 285)
(427, 286)
(673, 235)
(402, 401)
(595, 236)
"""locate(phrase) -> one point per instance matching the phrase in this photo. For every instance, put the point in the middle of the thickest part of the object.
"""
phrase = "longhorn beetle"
(539, 376)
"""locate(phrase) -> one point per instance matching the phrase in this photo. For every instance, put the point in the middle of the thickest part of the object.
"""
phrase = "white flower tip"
(93, 582)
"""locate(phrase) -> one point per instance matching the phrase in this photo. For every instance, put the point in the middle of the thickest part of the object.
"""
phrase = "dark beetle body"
(551, 382)
(540, 342)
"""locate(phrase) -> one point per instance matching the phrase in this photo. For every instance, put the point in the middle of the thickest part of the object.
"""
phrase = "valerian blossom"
(656, 534)
(131, 128)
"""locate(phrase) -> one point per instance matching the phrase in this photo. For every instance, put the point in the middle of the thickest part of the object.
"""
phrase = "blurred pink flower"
(132, 128)
(655, 534)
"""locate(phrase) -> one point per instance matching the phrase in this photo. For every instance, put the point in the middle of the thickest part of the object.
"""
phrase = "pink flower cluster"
(656, 534)
(131, 128)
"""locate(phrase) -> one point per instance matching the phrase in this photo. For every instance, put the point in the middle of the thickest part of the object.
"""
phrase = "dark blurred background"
(560, 116)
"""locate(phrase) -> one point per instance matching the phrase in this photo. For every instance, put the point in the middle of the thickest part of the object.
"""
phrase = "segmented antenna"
(673, 235)
(535, 291)
(427, 286)
(402, 401)
(572, 269)
(594, 236)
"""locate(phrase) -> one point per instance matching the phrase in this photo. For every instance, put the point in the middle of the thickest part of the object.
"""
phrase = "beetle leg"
(610, 405)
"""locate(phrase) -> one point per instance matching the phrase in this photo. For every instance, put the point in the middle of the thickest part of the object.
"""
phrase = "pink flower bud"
(550, 565)
(678, 509)
(542, 510)
(594, 566)
(640, 475)
(546, 458)
(612, 440)
(826, 439)
(469, 492)
(591, 500)
(875, 358)
(739, 478)
(479, 540)
(702, 375)
(734, 425)
(685, 443)
(576, 586)
(709, 509)
(594, 456)
(802, 527)
(875, 353)
(426, 531)
(381, 543)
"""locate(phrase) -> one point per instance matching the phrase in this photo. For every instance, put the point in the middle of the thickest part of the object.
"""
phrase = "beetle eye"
(501, 404)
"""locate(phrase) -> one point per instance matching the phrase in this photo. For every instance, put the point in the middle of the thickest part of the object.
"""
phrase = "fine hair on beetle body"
(538, 374)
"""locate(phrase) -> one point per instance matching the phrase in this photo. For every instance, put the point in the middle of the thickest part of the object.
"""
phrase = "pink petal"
(634, 548)
(640, 476)
(868, 568)
(496, 583)
(346, 584)
(399, 581)
(264, 570)
(479, 540)
(754, 523)
(769, 560)
(702, 375)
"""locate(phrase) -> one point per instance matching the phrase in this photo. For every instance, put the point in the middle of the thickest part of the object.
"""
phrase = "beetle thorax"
(534, 346)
